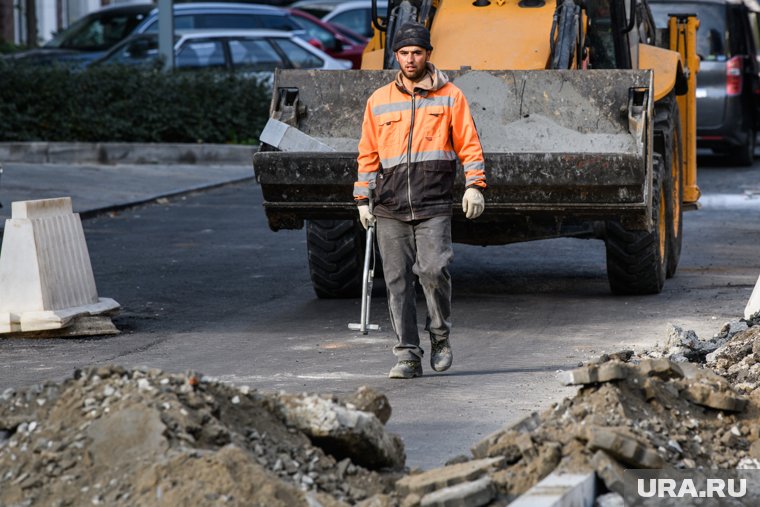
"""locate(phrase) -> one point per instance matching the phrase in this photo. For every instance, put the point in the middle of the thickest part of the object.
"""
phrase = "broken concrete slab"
(609, 471)
(496, 442)
(343, 431)
(369, 400)
(623, 446)
(467, 494)
(451, 475)
(711, 397)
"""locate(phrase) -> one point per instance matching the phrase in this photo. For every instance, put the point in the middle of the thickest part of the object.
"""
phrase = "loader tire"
(336, 257)
(637, 260)
(667, 131)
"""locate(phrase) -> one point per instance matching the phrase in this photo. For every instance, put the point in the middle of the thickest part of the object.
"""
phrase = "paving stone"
(490, 443)
(593, 374)
(451, 475)
(467, 494)
(662, 367)
(708, 396)
(624, 447)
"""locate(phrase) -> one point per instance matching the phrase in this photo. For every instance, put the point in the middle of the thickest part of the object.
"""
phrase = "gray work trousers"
(416, 250)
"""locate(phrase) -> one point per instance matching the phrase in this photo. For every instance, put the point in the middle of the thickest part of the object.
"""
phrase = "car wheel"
(744, 155)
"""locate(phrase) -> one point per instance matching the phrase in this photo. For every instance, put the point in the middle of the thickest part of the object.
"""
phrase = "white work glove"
(365, 216)
(473, 203)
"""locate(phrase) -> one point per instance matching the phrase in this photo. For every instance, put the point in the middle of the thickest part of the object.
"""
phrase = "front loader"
(586, 115)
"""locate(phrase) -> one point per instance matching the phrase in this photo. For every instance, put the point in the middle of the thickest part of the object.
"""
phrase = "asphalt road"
(205, 285)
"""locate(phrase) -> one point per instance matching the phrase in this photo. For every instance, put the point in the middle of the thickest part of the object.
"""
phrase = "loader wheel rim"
(662, 225)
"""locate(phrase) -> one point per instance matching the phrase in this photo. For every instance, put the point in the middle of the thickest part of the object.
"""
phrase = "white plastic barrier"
(46, 277)
(753, 306)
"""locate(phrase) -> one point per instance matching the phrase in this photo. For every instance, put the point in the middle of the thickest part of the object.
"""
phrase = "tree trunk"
(31, 23)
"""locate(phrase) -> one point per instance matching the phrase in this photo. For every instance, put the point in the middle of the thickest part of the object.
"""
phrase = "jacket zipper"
(409, 159)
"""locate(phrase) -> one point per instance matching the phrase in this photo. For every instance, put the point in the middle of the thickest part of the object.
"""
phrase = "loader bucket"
(562, 148)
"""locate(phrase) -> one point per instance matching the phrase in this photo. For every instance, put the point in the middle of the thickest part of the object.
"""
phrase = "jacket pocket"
(434, 122)
(387, 190)
(438, 182)
(389, 129)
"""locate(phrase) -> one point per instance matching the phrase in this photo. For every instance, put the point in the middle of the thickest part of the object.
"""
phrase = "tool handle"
(367, 276)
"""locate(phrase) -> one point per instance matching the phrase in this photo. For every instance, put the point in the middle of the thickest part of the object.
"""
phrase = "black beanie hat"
(411, 34)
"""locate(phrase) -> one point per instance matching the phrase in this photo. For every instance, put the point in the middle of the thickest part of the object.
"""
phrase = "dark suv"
(728, 82)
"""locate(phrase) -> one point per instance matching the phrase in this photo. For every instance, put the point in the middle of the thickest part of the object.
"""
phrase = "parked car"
(356, 15)
(252, 51)
(332, 40)
(223, 15)
(728, 83)
(89, 37)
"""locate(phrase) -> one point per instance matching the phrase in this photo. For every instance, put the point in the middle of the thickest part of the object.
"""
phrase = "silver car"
(235, 50)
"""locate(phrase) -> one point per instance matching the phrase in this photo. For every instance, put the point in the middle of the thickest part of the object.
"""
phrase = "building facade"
(33, 22)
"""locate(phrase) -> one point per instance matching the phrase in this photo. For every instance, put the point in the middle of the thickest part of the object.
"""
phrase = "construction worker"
(414, 130)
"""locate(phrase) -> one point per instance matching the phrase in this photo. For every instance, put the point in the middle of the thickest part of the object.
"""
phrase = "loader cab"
(616, 27)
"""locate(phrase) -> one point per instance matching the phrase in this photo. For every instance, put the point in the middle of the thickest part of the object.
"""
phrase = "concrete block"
(286, 138)
(46, 278)
(451, 475)
(593, 374)
(624, 447)
(467, 494)
(560, 490)
(662, 367)
(752, 310)
(708, 396)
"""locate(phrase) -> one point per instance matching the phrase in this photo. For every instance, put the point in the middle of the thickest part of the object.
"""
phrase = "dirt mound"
(111, 436)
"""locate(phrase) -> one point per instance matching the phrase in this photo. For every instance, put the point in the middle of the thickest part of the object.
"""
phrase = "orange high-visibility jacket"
(409, 148)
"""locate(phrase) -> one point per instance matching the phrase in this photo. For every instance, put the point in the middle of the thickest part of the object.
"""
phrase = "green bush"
(114, 103)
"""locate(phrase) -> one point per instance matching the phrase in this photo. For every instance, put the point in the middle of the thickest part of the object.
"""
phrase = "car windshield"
(319, 11)
(328, 40)
(712, 36)
(96, 32)
(358, 20)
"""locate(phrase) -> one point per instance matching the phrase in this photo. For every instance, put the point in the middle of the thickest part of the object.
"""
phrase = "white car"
(355, 15)
(236, 50)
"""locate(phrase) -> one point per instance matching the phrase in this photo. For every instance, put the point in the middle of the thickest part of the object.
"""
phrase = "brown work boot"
(441, 355)
(406, 369)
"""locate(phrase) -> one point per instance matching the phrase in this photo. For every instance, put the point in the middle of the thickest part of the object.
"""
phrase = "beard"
(416, 75)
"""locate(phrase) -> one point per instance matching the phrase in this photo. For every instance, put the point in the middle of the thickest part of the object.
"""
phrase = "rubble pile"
(111, 436)
(118, 437)
(652, 410)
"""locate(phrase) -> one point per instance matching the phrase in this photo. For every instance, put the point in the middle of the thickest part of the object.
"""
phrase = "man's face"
(411, 60)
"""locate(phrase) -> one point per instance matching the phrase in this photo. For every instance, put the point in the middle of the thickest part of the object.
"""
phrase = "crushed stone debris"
(114, 436)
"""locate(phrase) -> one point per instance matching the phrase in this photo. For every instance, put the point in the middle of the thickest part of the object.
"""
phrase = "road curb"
(126, 153)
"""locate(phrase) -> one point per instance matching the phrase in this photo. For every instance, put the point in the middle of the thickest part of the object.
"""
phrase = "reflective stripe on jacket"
(413, 176)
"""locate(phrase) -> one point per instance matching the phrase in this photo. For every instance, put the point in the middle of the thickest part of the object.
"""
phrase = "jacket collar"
(434, 80)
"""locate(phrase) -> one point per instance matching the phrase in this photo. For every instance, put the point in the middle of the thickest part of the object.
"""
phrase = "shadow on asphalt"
(505, 371)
